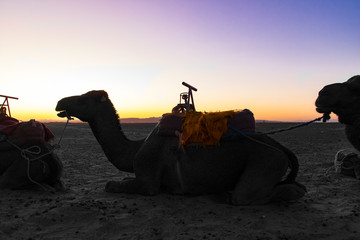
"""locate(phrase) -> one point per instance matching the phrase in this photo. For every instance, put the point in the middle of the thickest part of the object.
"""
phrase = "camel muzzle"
(62, 108)
(323, 110)
(62, 114)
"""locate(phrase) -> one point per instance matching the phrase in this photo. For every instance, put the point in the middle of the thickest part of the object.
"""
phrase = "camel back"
(206, 128)
(22, 133)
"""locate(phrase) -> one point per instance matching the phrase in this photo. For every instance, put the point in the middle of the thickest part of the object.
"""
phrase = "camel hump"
(8, 124)
(170, 123)
(243, 121)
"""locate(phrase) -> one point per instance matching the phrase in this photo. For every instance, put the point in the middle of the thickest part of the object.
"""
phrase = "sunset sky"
(271, 57)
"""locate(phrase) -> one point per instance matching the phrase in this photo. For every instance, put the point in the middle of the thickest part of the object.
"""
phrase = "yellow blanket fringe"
(204, 128)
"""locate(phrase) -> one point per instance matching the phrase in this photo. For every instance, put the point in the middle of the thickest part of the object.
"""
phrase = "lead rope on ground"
(339, 165)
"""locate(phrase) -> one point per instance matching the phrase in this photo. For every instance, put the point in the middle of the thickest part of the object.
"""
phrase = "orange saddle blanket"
(206, 128)
(24, 132)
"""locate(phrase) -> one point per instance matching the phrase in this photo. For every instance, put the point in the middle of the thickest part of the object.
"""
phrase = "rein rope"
(28, 153)
(62, 134)
(324, 118)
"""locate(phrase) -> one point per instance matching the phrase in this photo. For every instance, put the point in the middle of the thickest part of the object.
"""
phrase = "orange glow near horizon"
(270, 114)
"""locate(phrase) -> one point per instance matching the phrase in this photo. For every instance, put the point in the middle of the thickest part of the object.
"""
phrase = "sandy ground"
(330, 210)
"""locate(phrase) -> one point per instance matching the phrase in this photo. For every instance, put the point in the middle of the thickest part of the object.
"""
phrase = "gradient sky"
(271, 57)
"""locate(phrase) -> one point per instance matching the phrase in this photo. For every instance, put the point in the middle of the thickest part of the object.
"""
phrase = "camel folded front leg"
(146, 182)
(148, 166)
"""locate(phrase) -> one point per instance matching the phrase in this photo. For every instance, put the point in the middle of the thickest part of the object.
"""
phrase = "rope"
(247, 135)
(62, 134)
(339, 164)
(324, 118)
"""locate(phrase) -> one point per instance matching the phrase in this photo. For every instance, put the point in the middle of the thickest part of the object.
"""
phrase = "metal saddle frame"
(186, 100)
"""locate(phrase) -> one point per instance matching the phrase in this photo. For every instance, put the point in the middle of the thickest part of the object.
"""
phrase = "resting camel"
(343, 99)
(17, 173)
(253, 171)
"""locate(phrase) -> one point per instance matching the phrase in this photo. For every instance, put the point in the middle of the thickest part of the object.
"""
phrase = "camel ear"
(354, 84)
(103, 98)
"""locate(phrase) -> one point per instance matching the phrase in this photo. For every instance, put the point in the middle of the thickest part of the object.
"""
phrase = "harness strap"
(248, 136)
(179, 175)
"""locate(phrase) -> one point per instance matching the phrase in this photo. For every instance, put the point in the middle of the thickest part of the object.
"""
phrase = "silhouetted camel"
(252, 170)
(26, 159)
(343, 99)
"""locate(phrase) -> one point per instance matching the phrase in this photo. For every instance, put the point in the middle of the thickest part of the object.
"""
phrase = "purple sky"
(269, 56)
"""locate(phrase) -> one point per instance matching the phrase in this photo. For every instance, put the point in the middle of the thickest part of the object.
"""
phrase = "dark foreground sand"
(330, 210)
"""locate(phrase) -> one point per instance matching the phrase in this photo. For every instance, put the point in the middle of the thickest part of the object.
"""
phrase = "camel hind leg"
(265, 168)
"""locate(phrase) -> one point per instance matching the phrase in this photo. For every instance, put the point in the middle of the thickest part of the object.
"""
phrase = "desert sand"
(329, 210)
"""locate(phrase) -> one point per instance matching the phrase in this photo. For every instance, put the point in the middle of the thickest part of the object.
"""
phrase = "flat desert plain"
(329, 210)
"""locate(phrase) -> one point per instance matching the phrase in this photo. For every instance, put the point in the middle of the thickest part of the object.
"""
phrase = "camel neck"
(119, 150)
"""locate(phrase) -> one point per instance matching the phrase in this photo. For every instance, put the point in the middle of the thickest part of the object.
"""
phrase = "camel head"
(343, 99)
(84, 107)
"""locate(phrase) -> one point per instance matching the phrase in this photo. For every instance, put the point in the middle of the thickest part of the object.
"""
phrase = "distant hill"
(157, 119)
(140, 120)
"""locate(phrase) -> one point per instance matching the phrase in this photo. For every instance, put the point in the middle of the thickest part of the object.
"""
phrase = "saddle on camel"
(26, 157)
(194, 127)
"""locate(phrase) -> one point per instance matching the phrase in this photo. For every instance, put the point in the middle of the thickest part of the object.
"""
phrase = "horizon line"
(153, 120)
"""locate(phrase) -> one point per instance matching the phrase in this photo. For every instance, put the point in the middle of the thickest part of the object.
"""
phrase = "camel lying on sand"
(19, 172)
(251, 170)
(343, 99)
(26, 157)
